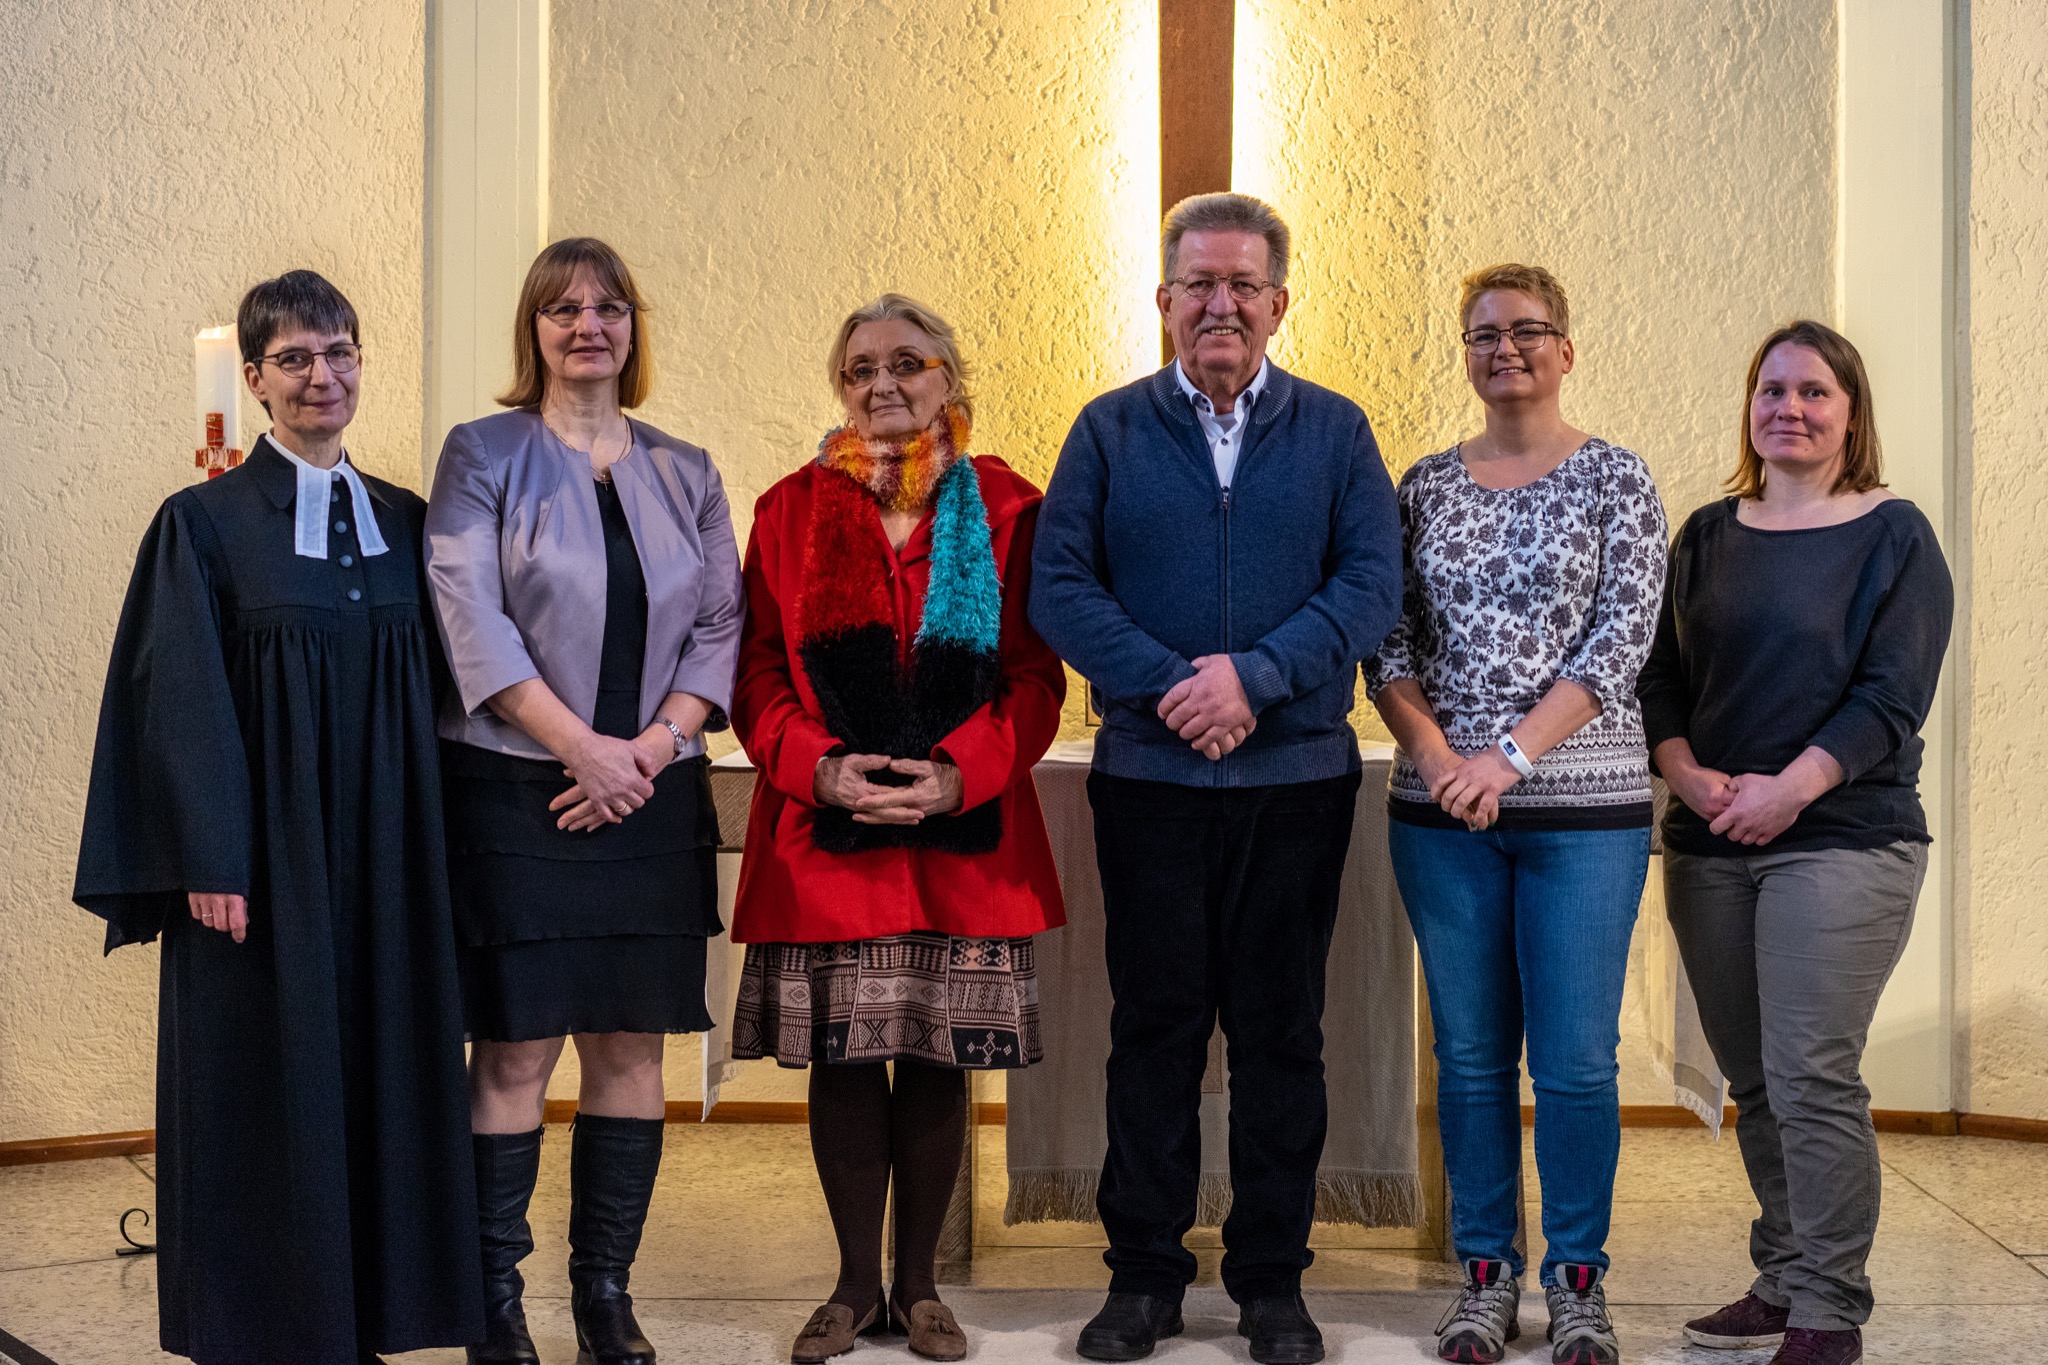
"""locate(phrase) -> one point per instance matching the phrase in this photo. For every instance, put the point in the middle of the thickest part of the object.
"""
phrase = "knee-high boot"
(506, 1166)
(612, 1164)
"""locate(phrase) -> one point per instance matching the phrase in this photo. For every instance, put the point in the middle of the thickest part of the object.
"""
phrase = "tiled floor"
(738, 1251)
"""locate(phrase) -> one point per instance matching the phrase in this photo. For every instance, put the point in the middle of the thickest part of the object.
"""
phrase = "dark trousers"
(1218, 903)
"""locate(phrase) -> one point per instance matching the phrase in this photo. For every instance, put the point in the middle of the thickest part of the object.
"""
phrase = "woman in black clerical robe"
(266, 799)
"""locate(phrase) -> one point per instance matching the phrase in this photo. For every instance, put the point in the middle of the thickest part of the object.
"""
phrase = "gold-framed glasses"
(298, 364)
(1202, 288)
(1527, 336)
(565, 314)
(862, 373)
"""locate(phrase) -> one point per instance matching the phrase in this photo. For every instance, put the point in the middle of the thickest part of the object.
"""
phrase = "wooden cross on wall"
(1197, 40)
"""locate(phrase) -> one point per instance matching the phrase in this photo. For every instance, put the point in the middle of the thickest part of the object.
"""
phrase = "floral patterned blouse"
(1504, 592)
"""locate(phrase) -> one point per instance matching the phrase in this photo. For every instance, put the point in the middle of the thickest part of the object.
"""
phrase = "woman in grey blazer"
(583, 568)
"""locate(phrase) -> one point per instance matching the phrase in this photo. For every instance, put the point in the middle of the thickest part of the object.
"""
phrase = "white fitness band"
(1517, 760)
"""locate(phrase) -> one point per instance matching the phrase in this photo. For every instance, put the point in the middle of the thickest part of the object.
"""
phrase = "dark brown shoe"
(1748, 1324)
(832, 1331)
(1811, 1346)
(934, 1334)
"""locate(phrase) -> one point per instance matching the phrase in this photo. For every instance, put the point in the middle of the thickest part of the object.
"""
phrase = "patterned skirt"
(923, 997)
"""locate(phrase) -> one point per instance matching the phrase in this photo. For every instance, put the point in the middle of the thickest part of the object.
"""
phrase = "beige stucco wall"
(766, 169)
(2002, 941)
(156, 157)
(997, 162)
(1673, 165)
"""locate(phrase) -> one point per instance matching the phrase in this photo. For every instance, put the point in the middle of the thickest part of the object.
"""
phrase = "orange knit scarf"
(902, 474)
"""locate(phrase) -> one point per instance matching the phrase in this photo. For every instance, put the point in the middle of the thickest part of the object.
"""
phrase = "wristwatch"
(1517, 760)
(676, 731)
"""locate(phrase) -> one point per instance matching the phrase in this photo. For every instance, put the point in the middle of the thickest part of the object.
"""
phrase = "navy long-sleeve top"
(1144, 562)
(1771, 641)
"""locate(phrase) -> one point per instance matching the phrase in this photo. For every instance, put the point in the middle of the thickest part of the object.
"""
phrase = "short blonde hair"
(1533, 280)
(903, 308)
(547, 279)
(1862, 457)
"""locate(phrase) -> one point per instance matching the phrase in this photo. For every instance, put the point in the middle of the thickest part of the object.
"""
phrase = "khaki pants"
(1788, 954)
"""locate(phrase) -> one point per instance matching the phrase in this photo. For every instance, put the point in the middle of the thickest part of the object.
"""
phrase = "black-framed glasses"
(298, 364)
(863, 373)
(1202, 288)
(1527, 336)
(565, 314)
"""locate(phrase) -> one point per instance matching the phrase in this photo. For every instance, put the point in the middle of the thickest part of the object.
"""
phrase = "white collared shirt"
(1225, 432)
(309, 529)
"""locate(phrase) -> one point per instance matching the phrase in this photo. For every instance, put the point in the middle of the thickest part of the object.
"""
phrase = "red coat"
(791, 891)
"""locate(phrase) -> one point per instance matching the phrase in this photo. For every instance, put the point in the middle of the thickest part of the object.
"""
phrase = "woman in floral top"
(1520, 801)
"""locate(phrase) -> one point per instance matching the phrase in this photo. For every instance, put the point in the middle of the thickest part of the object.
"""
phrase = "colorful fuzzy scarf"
(901, 474)
(846, 633)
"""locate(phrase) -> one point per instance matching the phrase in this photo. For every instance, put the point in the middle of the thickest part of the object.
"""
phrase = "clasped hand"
(1749, 808)
(1209, 710)
(842, 781)
(1469, 789)
(612, 777)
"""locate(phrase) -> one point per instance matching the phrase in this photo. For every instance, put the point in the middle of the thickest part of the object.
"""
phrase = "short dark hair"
(297, 298)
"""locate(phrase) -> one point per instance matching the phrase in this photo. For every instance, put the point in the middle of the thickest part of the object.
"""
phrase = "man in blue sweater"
(1218, 549)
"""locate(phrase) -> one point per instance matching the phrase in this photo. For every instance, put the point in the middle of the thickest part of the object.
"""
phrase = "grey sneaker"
(1478, 1327)
(1580, 1331)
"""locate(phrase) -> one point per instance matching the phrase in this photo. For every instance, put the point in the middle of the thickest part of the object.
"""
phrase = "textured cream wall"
(156, 158)
(2003, 939)
(767, 168)
(1673, 165)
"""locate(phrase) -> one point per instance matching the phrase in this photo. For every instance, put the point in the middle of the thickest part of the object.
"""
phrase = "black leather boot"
(506, 1166)
(612, 1163)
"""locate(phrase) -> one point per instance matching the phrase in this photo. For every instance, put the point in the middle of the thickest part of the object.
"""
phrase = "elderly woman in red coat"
(894, 696)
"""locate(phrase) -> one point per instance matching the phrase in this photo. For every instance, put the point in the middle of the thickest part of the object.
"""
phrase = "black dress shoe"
(1281, 1331)
(1128, 1327)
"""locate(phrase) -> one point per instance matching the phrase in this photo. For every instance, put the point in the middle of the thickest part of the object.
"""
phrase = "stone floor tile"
(69, 1211)
(2000, 1186)
(93, 1313)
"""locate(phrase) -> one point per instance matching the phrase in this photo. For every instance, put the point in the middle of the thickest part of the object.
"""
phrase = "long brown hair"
(547, 279)
(1862, 460)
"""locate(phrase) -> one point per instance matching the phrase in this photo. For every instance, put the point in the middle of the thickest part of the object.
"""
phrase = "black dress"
(268, 731)
(584, 932)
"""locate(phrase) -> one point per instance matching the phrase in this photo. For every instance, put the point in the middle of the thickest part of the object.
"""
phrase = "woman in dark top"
(265, 798)
(587, 583)
(1796, 658)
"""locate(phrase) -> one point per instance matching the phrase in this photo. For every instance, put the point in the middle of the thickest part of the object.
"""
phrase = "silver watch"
(675, 731)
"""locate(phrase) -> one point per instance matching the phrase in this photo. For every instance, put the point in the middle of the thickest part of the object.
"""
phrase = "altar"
(1381, 1163)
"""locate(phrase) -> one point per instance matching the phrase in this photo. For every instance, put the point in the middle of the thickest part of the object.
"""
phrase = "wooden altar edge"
(1933, 1123)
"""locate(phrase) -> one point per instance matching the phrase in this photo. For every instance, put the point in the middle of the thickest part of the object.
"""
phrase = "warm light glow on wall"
(1135, 189)
(1254, 140)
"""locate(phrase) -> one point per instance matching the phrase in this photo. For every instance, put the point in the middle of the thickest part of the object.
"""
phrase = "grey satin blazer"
(515, 563)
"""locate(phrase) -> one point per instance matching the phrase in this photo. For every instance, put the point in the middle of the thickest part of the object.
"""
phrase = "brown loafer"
(934, 1334)
(831, 1332)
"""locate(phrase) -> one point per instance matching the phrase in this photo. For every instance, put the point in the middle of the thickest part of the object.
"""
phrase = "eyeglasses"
(1527, 336)
(1202, 288)
(298, 364)
(565, 314)
(862, 374)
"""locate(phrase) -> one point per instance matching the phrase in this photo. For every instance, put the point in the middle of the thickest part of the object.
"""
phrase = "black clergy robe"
(268, 730)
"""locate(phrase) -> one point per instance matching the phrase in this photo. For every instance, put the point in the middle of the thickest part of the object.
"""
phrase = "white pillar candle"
(217, 374)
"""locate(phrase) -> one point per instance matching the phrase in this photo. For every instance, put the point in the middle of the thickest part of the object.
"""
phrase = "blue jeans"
(1525, 931)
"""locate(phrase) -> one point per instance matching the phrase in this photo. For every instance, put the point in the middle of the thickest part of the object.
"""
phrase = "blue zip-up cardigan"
(1144, 562)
